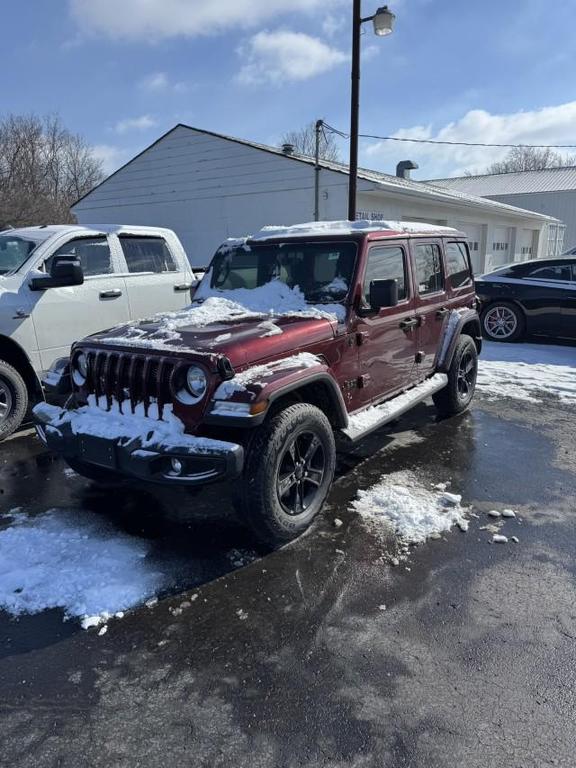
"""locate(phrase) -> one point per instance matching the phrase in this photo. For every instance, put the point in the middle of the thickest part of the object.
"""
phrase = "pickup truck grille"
(129, 378)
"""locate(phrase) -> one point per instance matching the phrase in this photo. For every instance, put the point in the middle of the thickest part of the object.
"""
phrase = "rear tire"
(13, 400)
(95, 473)
(503, 321)
(288, 472)
(458, 393)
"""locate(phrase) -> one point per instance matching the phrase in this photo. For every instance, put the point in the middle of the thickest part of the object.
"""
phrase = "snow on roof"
(516, 183)
(315, 228)
(48, 230)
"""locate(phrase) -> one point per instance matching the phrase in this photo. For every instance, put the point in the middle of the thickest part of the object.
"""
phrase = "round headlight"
(80, 368)
(196, 382)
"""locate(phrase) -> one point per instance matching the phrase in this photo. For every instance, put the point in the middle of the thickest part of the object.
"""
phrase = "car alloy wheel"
(6, 401)
(500, 322)
(300, 473)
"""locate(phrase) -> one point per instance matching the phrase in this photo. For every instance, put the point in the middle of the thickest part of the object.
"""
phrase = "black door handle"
(409, 323)
(442, 312)
(113, 294)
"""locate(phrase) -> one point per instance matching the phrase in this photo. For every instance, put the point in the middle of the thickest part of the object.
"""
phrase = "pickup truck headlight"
(80, 369)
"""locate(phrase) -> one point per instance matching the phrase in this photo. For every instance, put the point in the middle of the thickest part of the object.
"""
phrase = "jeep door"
(430, 300)
(62, 316)
(158, 279)
(387, 341)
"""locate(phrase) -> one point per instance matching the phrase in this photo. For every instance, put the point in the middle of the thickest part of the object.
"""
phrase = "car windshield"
(14, 251)
(321, 271)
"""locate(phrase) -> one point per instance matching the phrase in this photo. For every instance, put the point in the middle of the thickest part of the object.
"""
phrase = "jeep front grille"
(130, 378)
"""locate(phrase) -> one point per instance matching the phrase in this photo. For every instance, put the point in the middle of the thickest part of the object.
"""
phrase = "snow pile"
(313, 228)
(527, 371)
(114, 425)
(415, 513)
(73, 561)
(253, 375)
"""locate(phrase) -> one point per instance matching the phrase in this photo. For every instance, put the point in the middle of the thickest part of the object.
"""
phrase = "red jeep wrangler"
(296, 336)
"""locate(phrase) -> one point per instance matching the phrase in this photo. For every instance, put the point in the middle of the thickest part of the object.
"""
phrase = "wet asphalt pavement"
(290, 661)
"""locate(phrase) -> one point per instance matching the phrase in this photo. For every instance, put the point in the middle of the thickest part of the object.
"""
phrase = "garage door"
(500, 246)
(474, 234)
(524, 246)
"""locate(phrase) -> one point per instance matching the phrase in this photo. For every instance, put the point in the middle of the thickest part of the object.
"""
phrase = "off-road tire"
(451, 400)
(259, 499)
(517, 334)
(16, 394)
(95, 473)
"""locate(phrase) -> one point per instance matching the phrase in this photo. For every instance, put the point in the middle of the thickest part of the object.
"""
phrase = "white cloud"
(160, 19)
(333, 24)
(112, 157)
(142, 123)
(283, 56)
(159, 82)
(548, 125)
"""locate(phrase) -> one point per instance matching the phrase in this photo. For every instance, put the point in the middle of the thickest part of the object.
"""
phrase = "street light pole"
(354, 109)
(383, 21)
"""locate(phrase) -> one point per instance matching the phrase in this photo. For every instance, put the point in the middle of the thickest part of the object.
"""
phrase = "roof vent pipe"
(404, 167)
(288, 149)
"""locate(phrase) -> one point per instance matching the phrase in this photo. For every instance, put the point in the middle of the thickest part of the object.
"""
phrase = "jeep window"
(14, 251)
(428, 262)
(457, 265)
(322, 271)
(93, 252)
(386, 264)
(147, 254)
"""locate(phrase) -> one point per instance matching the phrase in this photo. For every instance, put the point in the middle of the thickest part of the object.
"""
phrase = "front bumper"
(202, 460)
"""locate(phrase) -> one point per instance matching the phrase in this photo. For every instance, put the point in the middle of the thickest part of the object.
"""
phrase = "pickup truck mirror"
(383, 293)
(65, 270)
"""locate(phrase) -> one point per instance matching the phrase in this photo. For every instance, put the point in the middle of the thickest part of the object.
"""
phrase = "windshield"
(323, 272)
(14, 251)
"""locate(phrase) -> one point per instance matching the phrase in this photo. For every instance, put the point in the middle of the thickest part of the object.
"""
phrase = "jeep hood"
(244, 342)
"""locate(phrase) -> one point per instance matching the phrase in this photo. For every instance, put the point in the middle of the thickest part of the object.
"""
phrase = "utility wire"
(450, 143)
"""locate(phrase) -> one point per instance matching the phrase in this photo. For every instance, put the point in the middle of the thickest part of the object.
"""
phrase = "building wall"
(561, 205)
(207, 188)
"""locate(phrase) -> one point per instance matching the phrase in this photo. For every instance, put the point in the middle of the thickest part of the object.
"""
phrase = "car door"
(387, 344)
(548, 294)
(62, 316)
(157, 281)
(431, 305)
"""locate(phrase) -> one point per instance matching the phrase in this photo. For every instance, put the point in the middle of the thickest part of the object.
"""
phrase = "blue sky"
(121, 72)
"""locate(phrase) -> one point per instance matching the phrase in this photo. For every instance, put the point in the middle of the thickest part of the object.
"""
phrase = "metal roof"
(517, 183)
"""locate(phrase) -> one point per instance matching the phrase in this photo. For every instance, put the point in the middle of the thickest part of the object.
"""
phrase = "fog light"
(176, 466)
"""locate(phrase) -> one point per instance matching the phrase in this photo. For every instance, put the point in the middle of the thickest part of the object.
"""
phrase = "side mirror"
(383, 293)
(65, 270)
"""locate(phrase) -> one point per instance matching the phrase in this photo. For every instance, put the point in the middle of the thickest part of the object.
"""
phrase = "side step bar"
(363, 422)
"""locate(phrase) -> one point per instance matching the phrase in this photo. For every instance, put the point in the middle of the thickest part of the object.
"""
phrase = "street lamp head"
(383, 21)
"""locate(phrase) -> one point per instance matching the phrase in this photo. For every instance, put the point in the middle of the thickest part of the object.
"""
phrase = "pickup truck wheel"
(288, 473)
(95, 473)
(13, 400)
(458, 393)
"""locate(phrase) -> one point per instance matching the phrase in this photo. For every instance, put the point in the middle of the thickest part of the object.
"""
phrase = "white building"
(551, 191)
(208, 187)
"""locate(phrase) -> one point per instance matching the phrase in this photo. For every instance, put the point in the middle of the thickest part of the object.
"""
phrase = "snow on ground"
(400, 503)
(74, 561)
(527, 371)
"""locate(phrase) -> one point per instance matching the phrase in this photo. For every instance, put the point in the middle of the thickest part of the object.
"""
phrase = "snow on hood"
(214, 307)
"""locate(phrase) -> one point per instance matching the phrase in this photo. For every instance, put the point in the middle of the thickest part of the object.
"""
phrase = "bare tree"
(304, 142)
(530, 159)
(44, 168)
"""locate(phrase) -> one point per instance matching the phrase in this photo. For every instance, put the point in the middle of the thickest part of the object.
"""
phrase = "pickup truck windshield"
(322, 271)
(13, 252)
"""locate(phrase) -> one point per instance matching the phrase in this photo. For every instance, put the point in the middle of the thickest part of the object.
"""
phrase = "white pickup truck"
(59, 284)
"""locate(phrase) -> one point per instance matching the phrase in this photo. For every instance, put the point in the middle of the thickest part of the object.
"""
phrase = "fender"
(255, 389)
(458, 321)
(14, 354)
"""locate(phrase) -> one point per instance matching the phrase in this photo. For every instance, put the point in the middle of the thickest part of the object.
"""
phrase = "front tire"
(13, 400)
(458, 393)
(288, 473)
(503, 321)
